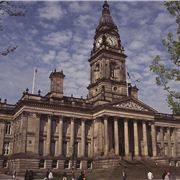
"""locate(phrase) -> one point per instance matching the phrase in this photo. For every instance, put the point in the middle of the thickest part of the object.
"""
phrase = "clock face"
(98, 42)
(112, 41)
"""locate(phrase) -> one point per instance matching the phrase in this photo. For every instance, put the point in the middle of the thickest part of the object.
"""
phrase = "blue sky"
(60, 34)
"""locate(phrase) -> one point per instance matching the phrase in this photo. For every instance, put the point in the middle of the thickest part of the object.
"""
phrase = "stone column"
(126, 137)
(82, 137)
(162, 140)
(12, 139)
(60, 140)
(136, 140)
(92, 138)
(175, 141)
(153, 136)
(48, 136)
(72, 135)
(106, 137)
(116, 136)
(37, 131)
(145, 139)
(169, 141)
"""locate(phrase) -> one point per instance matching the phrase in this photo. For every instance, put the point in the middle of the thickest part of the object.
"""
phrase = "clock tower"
(107, 62)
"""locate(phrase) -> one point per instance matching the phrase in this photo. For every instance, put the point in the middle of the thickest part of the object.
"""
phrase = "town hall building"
(60, 132)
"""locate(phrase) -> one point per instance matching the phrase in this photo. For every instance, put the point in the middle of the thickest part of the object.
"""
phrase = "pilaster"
(2, 129)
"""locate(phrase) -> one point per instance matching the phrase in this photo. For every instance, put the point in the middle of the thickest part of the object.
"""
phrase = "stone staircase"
(136, 170)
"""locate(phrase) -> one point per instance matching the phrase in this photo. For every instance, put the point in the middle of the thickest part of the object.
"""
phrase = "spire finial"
(106, 7)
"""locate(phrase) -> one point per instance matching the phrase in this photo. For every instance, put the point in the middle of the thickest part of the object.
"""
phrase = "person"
(73, 175)
(64, 176)
(14, 175)
(150, 175)
(82, 176)
(167, 176)
(31, 175)
(47, 175)
(50, 176)
(124, 175)
(26, 176)
(164, 174)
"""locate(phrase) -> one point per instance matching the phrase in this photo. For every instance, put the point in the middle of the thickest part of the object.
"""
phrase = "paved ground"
(6, 177)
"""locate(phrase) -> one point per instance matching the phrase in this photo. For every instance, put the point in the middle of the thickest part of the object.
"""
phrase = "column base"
(137, 157)
(146, 157)
(128, 157)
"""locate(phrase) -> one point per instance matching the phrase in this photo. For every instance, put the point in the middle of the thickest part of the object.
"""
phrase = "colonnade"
(136, 151)
(131, 137)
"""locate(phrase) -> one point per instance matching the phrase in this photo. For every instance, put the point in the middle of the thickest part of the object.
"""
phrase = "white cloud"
(85, 21)
(136, 45)
(77, 7)
(163, 19)
(47, 58)
(58, 38)
(51, 11)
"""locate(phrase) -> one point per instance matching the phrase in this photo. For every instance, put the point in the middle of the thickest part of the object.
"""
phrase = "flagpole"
(34, 78)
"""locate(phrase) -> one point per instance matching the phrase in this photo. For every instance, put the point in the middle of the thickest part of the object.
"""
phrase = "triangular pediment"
(132, 104)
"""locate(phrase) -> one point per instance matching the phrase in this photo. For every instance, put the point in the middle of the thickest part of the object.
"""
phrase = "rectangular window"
(78, 164)
(6, 148)
(8, 128)
(66, 164)
(65, 148)
(89, 165)
(54, 164)
(41, 147)
(41, 163)
(52, 148)
(5, 164)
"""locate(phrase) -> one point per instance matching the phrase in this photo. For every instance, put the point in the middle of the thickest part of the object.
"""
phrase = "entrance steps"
(136, 170)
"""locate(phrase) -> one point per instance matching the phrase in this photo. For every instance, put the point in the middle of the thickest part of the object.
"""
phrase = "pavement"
(7, 177)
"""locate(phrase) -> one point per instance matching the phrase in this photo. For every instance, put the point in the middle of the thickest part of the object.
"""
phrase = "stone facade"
(111, 124)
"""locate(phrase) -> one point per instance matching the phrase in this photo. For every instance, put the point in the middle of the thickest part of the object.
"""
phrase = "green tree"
(8, 8)
(168, 70)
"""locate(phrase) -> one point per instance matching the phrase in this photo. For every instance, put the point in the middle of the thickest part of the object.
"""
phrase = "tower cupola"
(106, 35)
(106, 22)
